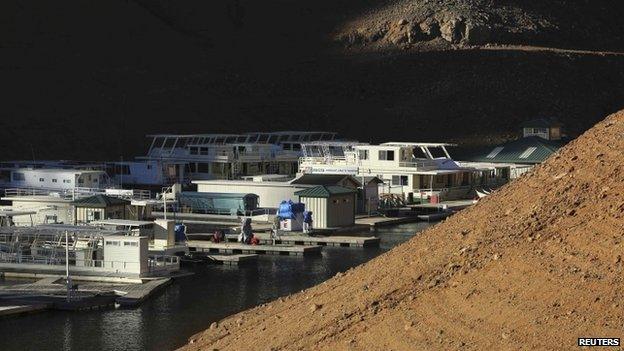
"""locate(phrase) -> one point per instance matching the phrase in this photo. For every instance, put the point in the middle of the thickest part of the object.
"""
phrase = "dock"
(232, 260)
(380, 221)
(237, 248)
(6, 311)
(299, 239)
(135, 294)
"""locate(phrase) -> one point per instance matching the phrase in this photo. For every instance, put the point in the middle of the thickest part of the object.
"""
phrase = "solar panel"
(495, 152)
(528, 152)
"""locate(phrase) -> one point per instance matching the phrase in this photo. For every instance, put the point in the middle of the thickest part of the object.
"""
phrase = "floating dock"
(295, 239)
(237, 248)
(135, 294)
(6, 311)
(379, 221)
(232, 260)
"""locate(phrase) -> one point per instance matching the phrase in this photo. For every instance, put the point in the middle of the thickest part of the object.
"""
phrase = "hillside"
(534, 266)
(87, 80)
(448, 23)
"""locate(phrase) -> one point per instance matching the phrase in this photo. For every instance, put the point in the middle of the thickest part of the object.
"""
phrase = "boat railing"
(420, 165)
(60, 261)
(335, 160)
(158, 263)
(70, 194)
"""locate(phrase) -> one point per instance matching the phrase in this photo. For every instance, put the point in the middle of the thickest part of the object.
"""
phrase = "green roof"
(529, 150)
(325, 191)
(100, 201)
(323, 179)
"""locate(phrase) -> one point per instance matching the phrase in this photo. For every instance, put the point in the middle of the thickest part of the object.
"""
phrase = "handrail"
(69, 194)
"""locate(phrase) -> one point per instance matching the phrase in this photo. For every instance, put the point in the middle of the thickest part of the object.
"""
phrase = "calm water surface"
(190, 304)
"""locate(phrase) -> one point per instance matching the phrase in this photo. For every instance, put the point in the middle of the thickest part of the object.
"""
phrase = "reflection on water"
(188, 306)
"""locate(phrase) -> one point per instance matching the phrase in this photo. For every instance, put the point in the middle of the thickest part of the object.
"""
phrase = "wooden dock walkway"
(237, 248)
(379, 221)
(298, 239)
(134, 294)
(232, 260)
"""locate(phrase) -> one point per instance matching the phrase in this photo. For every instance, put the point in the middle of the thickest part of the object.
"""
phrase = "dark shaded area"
(88, 79)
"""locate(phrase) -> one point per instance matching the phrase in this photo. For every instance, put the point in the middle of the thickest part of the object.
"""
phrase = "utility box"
(294, 224)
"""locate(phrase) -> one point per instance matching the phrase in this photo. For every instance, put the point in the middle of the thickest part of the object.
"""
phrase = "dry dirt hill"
(535, 266)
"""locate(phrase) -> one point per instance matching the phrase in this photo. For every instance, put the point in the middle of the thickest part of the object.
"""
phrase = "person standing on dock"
(246, 231)
(307, 222)
(275, 228)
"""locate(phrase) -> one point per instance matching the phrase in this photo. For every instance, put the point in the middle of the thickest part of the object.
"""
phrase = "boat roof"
(122, 222)
(408, 144)
(10, 213)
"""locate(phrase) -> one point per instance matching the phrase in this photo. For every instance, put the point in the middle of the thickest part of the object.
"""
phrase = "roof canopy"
(100, 201)
(529, 150)
(325, 191)
(324, 179)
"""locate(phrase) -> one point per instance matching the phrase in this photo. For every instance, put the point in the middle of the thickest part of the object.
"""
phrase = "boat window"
(19, 176)
(131, 243)
(42, 179)
(54, 181)
(363, 154)
(386, 155)
(112, 243)
(399, 180)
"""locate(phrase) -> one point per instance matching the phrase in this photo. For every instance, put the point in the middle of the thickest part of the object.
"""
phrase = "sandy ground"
(534, 266)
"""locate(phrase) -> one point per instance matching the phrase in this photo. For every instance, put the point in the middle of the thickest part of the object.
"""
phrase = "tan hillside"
(534, 266)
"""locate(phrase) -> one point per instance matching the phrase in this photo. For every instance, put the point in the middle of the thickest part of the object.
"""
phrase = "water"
(190, 304)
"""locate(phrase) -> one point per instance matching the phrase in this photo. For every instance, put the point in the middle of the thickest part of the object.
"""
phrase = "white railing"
(69, 194)
(159, 263)
(420, 165)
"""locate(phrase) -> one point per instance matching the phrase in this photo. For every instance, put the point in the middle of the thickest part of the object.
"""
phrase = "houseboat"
(231, 156)
(411, 170)
(61, 179)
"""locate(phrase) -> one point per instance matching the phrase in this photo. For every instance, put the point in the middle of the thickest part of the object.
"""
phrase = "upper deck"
(401, 157)
(249, 147)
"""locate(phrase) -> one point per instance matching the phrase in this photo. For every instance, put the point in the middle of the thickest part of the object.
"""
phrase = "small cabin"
(331, 205)
(98, 207)
(126, 254)
(548, 129)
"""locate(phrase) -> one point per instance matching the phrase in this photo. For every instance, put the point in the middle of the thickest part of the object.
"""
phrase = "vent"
(528, 152)
(494, 152)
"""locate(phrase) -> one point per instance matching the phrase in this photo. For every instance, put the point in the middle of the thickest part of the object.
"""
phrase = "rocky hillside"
(534, 266)
(444, 23)
(88, 80)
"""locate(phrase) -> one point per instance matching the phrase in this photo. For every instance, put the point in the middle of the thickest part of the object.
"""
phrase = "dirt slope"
(534, 266)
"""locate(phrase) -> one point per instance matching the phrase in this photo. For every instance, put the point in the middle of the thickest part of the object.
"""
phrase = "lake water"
(190, 304)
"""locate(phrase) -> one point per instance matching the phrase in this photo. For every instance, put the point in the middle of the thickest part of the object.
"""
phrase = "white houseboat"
(231, 156)
(61, 179)
(412, 170)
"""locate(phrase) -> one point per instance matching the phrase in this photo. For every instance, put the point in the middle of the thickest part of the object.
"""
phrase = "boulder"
(453, 30)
